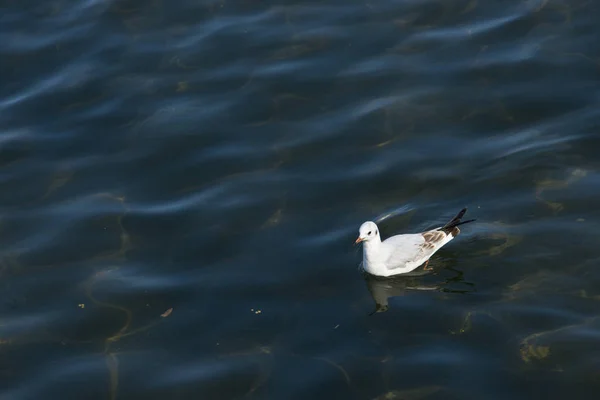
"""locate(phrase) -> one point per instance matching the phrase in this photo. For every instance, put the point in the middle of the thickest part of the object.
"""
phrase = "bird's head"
(367, 231)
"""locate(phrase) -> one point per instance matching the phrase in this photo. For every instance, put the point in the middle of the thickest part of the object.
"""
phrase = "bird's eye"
(376, 232)
(369, 233)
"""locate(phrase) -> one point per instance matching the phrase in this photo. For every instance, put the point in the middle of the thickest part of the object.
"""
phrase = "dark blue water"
(182, 183)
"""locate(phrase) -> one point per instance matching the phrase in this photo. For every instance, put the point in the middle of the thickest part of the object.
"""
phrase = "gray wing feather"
(433, 240)
(403, 249)
(414, 247)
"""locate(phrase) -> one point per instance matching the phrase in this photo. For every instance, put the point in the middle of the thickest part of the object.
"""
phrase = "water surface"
(182, 183)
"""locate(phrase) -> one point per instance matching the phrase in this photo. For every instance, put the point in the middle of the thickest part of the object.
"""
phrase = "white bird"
(403, 253)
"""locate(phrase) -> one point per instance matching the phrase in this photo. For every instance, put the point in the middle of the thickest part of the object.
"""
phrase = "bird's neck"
(371, 248)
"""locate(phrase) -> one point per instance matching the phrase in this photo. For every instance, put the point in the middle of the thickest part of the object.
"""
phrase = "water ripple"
(182, 185)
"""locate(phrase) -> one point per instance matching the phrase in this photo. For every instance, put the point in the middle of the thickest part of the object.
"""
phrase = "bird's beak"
(358, 240)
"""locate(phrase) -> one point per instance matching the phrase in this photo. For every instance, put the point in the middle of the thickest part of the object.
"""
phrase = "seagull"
(400, 254)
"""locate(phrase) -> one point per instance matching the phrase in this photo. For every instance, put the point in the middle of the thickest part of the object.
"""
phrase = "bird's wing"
(402, 249)
(413, 248)
(433, 241)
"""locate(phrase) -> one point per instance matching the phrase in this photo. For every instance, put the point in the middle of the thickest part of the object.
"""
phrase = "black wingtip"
(456, 219)
(466, 222)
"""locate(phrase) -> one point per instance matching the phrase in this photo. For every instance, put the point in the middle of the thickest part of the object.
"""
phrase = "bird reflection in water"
(382, 289)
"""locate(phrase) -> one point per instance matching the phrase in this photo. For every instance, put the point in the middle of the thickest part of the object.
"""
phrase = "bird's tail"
(456, 221)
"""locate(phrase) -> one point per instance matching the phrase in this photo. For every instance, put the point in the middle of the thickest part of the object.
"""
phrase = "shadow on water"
(383, 289)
